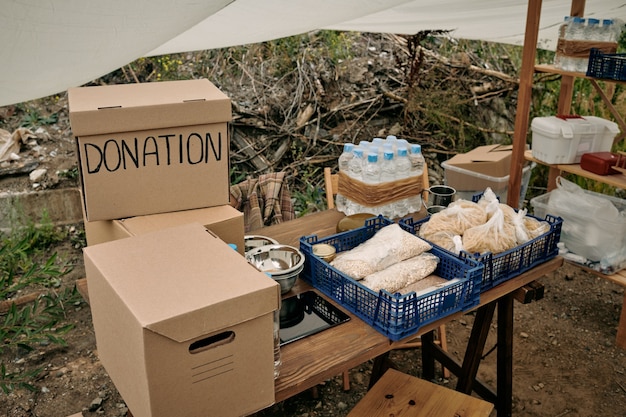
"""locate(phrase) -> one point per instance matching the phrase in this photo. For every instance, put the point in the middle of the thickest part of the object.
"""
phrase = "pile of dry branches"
(294, 114)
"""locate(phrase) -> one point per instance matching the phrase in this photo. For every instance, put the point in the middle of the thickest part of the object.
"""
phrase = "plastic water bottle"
(371, 169)
(392, 141)
(388, 174)
(403, 168)
(417, 169)
(417, 160)
(609, 31)
(558, 56)
(345, 157)
(355, 170)
(575, 31)
(387, 167)
(344, 162)
(592, 31)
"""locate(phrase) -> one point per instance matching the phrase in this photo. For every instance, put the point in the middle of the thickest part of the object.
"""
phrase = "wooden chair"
(331, 183)
(399, 394)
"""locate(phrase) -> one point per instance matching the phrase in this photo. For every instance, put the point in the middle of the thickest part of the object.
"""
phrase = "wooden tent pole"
(523, 101)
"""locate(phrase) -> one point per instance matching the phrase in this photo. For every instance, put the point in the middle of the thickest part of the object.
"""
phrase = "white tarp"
(49, 46)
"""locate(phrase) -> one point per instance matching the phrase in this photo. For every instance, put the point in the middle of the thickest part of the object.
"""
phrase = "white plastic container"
(469, 183)
(557, 140)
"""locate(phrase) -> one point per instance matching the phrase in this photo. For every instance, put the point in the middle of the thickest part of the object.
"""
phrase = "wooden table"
(312, 360)
(317, 358)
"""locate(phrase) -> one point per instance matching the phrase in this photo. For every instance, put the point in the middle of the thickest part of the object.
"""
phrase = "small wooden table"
(317, 358)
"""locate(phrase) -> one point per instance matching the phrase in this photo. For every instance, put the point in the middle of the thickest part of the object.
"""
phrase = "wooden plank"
(615, 180)
(525, 294)
(524, 97)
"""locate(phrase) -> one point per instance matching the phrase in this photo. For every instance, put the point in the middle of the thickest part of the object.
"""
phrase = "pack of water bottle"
(380, 161)
(577, 35)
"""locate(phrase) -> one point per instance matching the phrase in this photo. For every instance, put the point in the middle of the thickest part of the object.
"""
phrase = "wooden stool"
(400, 395)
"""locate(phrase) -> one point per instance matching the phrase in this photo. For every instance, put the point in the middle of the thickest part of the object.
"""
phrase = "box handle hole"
(212, 342)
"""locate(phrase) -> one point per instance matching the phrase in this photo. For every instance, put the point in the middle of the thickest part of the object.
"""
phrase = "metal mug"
(434, 209)
(441, 195)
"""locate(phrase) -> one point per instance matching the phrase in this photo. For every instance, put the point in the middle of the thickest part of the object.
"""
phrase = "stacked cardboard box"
(168, 295)
(485, 166)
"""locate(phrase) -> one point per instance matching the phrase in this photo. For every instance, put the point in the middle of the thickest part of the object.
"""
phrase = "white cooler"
(564, 139)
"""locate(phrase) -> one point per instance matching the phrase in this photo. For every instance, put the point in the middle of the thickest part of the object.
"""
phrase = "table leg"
(504, 402)
(475, 346)
(620, 339)
(380, 365)
(428, 357)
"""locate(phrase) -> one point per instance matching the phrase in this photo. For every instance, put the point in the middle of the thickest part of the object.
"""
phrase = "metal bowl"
(282, 262)
(256, 241)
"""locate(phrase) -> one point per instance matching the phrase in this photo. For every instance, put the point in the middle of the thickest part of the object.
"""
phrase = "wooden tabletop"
(317, 358)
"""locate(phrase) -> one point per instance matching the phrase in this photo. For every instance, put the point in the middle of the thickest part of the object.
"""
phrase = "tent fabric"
(51, 46)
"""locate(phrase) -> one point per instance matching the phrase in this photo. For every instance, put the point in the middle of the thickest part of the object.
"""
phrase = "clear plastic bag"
(594, 225)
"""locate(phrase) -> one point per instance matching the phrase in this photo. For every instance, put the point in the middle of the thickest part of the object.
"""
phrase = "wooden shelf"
(551, 69)
(615, 180)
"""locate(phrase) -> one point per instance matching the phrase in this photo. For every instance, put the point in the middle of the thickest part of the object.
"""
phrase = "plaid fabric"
(264, 201)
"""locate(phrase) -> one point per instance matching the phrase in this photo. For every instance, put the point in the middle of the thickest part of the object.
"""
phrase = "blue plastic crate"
(606, 66)
(506, 265)
(395, 315)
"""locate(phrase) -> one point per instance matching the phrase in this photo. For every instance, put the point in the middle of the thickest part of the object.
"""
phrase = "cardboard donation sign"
(183, 324)
(151, 148)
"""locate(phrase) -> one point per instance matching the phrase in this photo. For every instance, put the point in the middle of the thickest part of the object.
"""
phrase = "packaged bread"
(388, 246)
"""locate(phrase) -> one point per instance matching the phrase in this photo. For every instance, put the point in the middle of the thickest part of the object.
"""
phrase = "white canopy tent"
(50, 46)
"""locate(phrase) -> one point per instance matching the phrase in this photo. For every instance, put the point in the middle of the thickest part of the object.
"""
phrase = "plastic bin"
(606, 66)
(394, 315)
(506, 265)
(564, 139)
(468, 183)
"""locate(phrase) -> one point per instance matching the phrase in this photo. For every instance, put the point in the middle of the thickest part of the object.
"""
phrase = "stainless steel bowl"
(282, 262)
(256, 241)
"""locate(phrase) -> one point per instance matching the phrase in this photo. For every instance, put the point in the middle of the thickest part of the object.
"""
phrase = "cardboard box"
(183, 324)
(492, 160)
(151, 148)
(224, 221)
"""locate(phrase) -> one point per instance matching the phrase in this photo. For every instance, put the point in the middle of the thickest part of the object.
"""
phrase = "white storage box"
(563, 140)
(469, 183)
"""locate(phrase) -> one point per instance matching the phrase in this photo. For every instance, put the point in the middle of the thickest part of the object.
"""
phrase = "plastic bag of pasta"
(447, 240)
(388, 246)
(455, 219)
(535, 227)
(494, 236)
(403, 273)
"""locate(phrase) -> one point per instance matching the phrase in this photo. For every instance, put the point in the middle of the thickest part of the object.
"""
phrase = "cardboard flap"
(492, 160)
(183, 282)
(155, 105)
